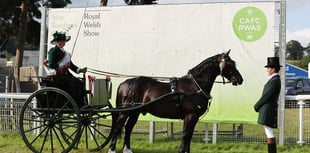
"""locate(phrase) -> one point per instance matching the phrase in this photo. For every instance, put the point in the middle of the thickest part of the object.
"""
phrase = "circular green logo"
(249, 24)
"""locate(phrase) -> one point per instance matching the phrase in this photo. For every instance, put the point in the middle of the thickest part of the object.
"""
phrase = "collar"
(274, 74)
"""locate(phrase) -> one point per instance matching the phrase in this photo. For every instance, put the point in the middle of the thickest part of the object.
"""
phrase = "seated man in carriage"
(57, 66)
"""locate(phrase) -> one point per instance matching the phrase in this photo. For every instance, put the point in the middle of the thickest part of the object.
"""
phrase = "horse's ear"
(227, 53)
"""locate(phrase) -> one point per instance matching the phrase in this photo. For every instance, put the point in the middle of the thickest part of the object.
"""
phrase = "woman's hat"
(273, 62)
(57, 36)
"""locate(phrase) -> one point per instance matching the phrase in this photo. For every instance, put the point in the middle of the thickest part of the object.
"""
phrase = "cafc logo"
(249, 24)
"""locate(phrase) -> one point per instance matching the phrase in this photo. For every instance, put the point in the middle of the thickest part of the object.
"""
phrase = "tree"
(140, 2)
(7, 20)
(294, 50)
(57, 3)
(10, 22)
(21, 42)
(307, 49)
(303, 63)
(103, 2)
(15, 16)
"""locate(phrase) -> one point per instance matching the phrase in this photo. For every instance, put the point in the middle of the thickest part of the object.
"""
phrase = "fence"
(296, 130)
(298, 108)
(10, 106)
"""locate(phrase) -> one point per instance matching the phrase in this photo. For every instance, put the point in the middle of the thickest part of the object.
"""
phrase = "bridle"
(222, 66)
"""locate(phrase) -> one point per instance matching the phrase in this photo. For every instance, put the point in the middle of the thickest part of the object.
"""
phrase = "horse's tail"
(120, 94)
(128, 91)
(125, 92)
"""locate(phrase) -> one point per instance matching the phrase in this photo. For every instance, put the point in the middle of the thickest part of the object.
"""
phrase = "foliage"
(302, 54)
(303, 63)
(294, 50)
(7, 55)
(307, 49)
(10, 19)
(58, 3)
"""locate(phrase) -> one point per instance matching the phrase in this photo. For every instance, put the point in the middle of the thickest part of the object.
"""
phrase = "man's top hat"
(273, 62)
(57, 36)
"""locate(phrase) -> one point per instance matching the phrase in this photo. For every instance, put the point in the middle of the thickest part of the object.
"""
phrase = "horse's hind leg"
(128, 129)
(117, 129)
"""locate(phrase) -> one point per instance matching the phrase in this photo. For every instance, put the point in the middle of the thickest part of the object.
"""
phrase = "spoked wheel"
(50, 121)
(96, 128)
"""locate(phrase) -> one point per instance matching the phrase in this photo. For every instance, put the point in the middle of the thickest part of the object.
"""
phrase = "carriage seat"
(46, 81)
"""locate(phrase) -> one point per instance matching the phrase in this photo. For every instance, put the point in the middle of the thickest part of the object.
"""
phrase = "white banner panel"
(168, 40)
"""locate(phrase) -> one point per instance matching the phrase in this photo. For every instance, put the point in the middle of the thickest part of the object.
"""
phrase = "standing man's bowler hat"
(57, 36)
(273, 62)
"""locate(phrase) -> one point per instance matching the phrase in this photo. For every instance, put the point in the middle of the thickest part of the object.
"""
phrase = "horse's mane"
(204, 65)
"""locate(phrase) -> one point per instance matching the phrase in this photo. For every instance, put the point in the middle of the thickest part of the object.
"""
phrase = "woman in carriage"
(57, 66)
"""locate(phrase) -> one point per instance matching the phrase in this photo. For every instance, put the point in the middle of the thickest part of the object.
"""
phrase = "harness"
(173, 84)
(197, 85)
(191, 96)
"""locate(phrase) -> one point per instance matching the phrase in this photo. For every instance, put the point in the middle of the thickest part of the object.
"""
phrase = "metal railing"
(297, 124)
(10, 106)
(301, 104)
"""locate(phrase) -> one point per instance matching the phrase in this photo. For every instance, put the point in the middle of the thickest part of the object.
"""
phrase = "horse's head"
(228, 69)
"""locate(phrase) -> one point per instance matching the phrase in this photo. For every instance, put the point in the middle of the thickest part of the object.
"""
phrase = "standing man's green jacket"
(267, 105)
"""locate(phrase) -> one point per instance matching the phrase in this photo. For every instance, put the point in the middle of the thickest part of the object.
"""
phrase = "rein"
(78, 32)
(118, 75)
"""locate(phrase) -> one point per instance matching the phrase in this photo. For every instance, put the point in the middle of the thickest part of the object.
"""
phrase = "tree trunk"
(20, 42)
(103, 2)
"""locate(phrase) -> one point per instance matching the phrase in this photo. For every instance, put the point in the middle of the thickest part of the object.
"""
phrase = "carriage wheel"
(96, 129)
(50, 121)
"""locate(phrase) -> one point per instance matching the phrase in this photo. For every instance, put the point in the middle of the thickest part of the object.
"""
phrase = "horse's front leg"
(117, 129)
(189, 123)
(128, 129)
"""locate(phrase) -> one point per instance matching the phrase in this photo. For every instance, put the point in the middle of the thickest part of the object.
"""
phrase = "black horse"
(188, 98)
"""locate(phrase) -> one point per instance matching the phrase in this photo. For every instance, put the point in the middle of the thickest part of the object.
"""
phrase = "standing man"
(267, 105)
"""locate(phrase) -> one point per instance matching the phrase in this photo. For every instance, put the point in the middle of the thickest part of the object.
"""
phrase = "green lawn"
(252, 140)
(12, 143)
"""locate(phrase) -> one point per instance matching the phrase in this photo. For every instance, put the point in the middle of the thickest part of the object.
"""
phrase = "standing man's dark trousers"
(73, 86)
(272, 147)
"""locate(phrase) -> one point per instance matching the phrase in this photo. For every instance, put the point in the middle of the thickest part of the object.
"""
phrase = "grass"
(12, 143)
(253, 139)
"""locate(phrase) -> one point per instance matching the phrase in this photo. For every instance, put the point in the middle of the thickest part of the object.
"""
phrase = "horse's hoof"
(111, 151)
(126, 150)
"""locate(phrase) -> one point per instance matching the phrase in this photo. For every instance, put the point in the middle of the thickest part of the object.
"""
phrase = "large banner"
(168, 40)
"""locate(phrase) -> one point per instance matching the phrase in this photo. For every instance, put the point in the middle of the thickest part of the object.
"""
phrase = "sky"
(297, 12)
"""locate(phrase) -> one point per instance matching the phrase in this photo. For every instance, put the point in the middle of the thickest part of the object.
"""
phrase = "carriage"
(51, 121)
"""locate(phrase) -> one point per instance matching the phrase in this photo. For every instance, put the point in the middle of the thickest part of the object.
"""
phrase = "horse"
(190, 101)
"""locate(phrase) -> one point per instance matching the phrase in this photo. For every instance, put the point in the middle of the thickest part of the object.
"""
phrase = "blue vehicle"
(297, 86)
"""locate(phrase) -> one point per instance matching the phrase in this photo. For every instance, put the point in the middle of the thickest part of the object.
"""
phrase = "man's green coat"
(267, 105)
